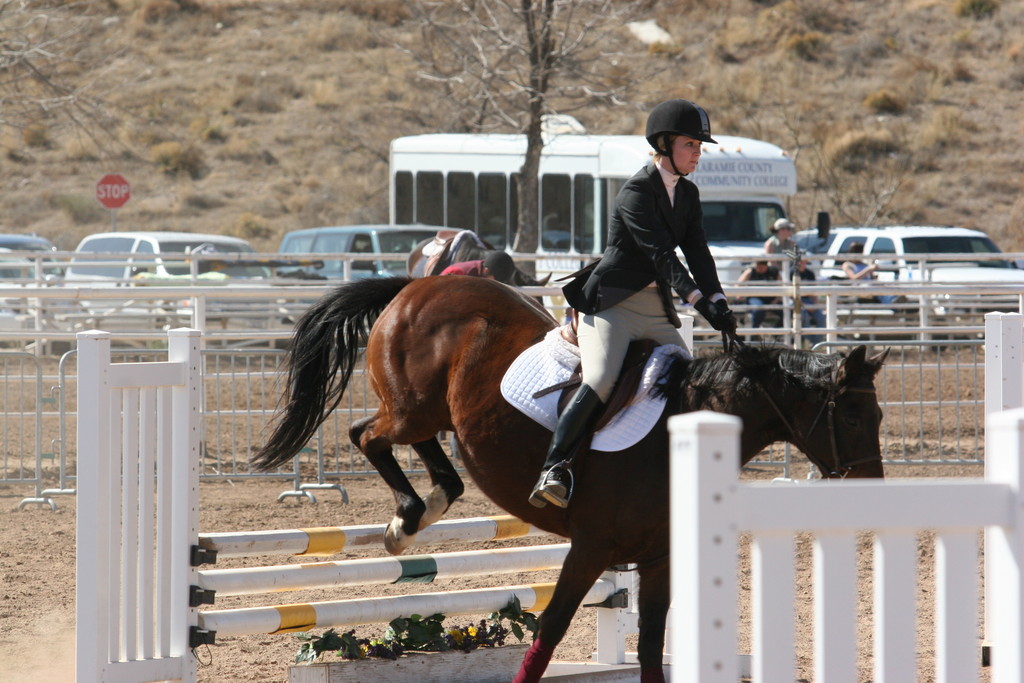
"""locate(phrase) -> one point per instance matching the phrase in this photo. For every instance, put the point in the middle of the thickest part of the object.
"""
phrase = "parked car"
(354, 239)
(16, 242)
(143, 258)
(32, 243)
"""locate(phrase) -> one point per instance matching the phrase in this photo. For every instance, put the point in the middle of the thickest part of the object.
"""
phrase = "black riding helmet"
(500, 265)
(677, 117)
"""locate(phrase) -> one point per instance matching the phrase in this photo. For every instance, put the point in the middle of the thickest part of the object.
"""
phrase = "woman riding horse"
(436, 350)
(627, 295)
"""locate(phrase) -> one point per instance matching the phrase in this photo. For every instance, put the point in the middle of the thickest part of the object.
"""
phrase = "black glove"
(718, 314)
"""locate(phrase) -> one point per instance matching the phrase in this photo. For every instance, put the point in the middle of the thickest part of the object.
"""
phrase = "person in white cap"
(782, 237)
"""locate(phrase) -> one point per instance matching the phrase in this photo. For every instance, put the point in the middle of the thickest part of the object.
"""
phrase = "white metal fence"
(932, 391)
(40, 311)
(712, 508)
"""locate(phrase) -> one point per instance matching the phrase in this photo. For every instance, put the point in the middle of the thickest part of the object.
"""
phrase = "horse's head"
(825, 405)
(840, 434)
(855, 422)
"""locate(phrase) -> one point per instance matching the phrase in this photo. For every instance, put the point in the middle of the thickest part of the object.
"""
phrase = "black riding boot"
(555, 483)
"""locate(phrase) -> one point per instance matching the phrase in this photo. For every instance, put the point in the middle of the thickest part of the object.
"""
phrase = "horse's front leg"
(579, 572)
(368, 436)
(448, 485)
(653, 604)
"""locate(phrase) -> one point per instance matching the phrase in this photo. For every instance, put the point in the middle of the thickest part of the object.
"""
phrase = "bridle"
(827, 408)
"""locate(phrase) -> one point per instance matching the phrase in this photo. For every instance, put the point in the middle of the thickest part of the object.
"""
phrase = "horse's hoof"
(396, 540)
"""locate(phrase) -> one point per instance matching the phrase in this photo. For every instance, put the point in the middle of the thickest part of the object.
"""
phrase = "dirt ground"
(37, 564)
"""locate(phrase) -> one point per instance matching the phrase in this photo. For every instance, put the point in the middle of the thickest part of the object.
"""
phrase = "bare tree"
(507, 64)
(51, 68)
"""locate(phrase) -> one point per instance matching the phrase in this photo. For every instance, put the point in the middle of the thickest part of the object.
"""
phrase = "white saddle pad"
(553, 360)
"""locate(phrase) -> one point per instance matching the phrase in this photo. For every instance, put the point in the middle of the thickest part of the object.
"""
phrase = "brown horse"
(436, 351)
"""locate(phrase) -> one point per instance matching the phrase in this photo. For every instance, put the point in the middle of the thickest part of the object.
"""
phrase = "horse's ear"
(878, 359)
(544, 282)
(857, 363)
(852, 365)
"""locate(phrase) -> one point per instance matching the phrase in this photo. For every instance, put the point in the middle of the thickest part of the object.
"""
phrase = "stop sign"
(113, 191)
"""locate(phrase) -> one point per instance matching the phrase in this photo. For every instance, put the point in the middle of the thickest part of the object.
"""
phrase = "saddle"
(625, 387)
(442, 249)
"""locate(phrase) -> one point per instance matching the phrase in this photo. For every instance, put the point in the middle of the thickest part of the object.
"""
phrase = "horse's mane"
(713, 381)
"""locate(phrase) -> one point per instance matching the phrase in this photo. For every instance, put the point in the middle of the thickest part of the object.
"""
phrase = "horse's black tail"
(321, 356)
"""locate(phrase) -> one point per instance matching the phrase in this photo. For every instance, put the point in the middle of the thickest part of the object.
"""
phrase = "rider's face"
(685, 153)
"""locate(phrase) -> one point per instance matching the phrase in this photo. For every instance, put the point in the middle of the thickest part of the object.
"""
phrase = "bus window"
(461, 201)
(430, 198)
(737, 221)
(492, 200)
(513, 209)
(588, 224)
(556, 212)
(403, 197)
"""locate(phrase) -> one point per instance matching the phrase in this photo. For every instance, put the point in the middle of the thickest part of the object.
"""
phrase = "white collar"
(670, 180)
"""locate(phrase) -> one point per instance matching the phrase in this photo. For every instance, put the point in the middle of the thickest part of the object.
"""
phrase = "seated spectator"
(811, 314)
(782, 237)
(762, 305)
(858, 271)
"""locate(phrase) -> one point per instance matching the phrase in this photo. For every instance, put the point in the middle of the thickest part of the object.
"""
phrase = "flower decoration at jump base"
(421, 634)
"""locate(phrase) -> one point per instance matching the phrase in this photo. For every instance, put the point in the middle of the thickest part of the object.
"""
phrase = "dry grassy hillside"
(255, 117)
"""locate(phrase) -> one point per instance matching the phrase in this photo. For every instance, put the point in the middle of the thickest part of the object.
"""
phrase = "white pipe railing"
(57, 312)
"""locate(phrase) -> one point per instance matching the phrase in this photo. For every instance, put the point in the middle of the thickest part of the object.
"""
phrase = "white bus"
(469, 182)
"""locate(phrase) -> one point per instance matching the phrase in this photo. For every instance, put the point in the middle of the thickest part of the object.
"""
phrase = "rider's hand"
(717, 313)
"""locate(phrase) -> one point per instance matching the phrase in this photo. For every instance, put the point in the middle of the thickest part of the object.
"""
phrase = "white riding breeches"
(605, 336)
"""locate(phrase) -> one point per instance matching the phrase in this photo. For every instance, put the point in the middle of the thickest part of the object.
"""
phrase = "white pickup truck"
(932, 254)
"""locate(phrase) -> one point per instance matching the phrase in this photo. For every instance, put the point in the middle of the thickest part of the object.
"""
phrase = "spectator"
(810, 314)
(762, 305)
(858, 271)
(782, 237)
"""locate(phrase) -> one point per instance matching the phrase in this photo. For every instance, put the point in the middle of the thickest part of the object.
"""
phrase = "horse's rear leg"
(447, 484)
(653, 604)
(579, 572)
(409, 507)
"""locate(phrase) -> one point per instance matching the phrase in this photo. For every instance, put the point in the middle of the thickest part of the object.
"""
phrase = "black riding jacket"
(644, 231)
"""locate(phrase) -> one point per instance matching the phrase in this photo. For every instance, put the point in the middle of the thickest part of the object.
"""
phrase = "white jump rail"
(332, 540)
(710, 507)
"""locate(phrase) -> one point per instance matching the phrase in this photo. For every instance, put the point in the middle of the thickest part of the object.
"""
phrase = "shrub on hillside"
(391, 12)
(856, 150)
(945, 126)
(250, 226)
(155, 11)
(35, 135)
(885, 102)
(80, 148)
(807, 46)
(975, 9)
(174, 159)
(79, 208)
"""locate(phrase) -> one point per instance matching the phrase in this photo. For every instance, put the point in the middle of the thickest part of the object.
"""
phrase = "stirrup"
(555, 486)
